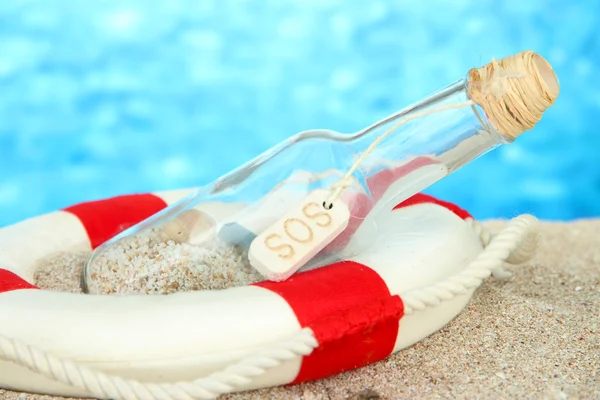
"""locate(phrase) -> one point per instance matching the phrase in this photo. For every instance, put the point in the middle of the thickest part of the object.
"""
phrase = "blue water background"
(99, 98)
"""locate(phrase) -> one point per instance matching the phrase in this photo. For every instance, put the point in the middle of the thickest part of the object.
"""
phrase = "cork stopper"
(514, 91)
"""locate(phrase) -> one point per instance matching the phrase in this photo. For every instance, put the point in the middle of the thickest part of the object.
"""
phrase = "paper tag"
(298, 236)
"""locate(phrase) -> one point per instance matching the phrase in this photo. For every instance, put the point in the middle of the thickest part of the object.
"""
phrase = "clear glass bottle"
(237, 207)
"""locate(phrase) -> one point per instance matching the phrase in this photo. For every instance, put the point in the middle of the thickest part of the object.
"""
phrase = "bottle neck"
(453, 93)
(446, 127)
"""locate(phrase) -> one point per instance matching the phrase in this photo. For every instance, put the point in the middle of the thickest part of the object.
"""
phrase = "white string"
(515, 243)
(347, 180)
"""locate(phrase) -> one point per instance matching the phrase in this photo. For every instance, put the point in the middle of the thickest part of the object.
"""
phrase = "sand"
(146, 264)
(535, 336)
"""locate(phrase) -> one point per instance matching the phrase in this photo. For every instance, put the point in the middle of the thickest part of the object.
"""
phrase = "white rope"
(104, 386)
(484, 234)
(516, 243)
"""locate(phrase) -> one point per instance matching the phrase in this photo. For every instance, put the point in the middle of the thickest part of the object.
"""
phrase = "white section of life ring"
(425, 244)
(23, 244)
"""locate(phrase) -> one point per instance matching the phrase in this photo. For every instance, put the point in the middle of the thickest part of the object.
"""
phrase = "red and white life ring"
(419, 275)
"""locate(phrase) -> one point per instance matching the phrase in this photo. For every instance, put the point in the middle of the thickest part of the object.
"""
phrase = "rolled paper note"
(235, 233)
(259, 217)
(256, 218)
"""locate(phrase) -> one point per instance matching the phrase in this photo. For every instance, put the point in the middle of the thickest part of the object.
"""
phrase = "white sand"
(536, 336)
(148, 265)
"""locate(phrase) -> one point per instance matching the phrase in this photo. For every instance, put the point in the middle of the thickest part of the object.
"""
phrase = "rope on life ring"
(514, 244)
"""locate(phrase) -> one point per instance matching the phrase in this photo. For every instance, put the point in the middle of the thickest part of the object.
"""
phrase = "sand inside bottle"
(146, 264)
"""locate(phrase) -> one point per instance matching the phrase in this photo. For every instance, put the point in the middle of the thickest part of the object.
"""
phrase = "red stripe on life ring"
(421, 198)
(351, 311)
(104, 219)
(10, 281)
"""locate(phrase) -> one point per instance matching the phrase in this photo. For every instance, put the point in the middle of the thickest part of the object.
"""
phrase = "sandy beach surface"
(534, 336)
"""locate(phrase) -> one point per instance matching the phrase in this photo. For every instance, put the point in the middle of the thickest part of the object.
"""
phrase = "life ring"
(428, 260)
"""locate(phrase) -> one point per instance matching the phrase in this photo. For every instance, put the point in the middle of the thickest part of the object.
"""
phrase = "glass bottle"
(441, 133)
